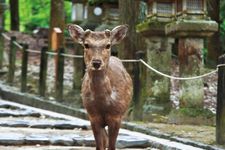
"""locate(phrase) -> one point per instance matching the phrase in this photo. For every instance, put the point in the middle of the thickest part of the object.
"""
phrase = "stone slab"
(18, 112)
(38, 147)
(28, 136)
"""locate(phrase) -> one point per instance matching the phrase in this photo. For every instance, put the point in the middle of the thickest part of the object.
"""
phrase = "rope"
(6, 37)
(220, 65)
(176, 78)
(52, 53)
(72, 56)
(129, 60)
(18, 45)
(33, 51)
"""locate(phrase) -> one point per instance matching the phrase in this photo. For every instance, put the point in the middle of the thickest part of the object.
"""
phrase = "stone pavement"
(28, 128)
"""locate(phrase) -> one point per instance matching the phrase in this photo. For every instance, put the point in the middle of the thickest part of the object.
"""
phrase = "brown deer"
(107, 87)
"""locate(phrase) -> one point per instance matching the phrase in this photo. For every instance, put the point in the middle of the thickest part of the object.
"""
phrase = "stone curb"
(7, 93)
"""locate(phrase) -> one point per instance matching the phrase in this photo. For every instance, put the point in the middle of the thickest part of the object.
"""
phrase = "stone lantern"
(191, 27)
(158, 51)
(163, 10)
(191, 9)
(79, 10)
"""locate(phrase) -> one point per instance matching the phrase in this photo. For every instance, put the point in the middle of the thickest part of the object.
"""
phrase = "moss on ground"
(203, 134)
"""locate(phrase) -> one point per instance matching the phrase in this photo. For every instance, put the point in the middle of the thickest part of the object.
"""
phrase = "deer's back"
(118, 75)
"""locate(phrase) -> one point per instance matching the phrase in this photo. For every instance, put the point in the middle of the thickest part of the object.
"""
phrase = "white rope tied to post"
(52, 53)
(178, 78)
(33, 51)
(129, 60)
(18, 45)
(72, 56)
(6, 37)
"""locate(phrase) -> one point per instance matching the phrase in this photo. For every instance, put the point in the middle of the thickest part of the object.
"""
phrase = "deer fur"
(107, 87)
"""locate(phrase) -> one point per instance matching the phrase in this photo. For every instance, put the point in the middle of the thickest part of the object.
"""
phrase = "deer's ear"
(76, 32)
(118, 34)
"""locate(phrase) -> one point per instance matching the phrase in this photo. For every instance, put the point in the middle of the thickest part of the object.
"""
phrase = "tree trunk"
(129, 10)
(57, 19)
(214, 50)
(129, 13)
(14, 15)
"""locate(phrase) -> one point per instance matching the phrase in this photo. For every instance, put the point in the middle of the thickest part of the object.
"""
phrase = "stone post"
(191, 33)
(159, 51)
(190, 58)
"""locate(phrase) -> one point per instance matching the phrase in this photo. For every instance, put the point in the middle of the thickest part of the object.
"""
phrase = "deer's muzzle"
(96, 63)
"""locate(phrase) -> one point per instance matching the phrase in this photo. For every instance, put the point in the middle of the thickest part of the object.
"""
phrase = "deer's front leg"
(97, 129)
(113, 131)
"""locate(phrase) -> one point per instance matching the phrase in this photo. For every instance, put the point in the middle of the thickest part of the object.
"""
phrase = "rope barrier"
(123, 60)
(176, 78)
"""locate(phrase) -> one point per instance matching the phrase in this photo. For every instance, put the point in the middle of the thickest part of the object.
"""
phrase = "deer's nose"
(96, 63)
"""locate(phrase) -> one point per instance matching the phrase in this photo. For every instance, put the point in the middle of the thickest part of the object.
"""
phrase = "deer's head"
(97, 45)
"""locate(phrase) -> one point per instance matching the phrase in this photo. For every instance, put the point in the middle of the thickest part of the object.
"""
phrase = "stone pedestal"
(190, 58)
(159, 51)
(159, 56)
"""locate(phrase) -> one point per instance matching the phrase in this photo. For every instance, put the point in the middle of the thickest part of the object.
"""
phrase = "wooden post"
(12, 60)
(139, 87)
(158, 55)
(220, 111)
(1, 50)
(59, 79)
(56, 44)
(43, 71)
(24, 68)
(78, 66)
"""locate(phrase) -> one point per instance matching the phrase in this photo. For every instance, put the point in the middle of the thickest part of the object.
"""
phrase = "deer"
(107, 87)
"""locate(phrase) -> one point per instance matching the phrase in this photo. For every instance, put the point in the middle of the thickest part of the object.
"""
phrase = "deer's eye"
(86, 46)
(108, 46)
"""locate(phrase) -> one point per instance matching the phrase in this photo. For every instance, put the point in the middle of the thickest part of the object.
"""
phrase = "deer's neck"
(100, 83)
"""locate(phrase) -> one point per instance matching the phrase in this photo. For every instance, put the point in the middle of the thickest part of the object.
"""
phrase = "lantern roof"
(152, 28)
(191, 28)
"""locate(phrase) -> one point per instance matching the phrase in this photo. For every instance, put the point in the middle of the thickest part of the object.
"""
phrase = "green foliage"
(194, 112)
(35, 14)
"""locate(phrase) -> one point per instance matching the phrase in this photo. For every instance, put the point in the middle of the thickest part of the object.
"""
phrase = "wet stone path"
(23, 126)
(27, 128)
